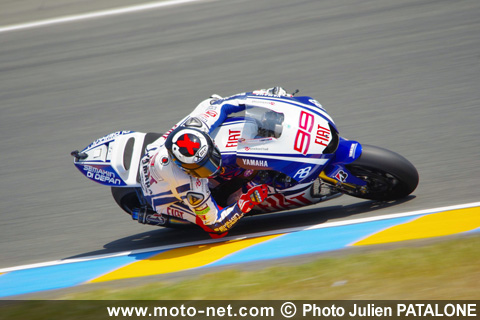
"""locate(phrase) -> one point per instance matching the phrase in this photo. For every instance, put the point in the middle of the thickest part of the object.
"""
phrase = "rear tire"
(389, 176)
(126, 198)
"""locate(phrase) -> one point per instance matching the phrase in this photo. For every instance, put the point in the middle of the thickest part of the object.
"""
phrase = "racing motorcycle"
(289, 143)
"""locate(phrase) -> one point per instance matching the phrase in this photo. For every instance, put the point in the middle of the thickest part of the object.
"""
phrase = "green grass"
(446, 270)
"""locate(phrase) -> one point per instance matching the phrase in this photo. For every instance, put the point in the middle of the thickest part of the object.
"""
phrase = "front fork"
(336, 172)
(338, 180)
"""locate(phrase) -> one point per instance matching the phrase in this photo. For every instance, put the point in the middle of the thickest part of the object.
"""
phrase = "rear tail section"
(114, 159)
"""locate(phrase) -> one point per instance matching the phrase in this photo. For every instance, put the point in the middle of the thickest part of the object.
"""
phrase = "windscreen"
(268, 123)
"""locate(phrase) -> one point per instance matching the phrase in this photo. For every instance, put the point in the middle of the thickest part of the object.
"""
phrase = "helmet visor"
(208, 167)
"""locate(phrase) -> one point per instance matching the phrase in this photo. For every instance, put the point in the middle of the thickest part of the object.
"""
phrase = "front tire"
(389, 176)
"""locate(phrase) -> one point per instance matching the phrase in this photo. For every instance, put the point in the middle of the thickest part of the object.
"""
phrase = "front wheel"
(389, 176)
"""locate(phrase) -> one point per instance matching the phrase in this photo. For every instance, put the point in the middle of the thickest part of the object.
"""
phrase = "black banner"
(239, 309)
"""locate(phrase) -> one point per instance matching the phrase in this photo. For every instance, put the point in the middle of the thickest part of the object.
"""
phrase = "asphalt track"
(244, 251)
(404, 75)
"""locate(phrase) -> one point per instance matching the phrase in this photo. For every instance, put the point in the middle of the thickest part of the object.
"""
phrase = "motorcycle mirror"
(78, 155)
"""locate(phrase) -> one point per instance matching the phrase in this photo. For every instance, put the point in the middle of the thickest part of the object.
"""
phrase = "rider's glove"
(253, 197)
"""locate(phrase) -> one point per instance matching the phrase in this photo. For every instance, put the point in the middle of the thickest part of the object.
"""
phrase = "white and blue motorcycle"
(288, 143)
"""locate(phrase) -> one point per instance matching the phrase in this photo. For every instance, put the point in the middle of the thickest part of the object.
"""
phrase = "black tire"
(126, 198)
(389, 176)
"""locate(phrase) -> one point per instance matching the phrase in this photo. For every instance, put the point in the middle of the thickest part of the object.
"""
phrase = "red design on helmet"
(194, 152)
(189, 142)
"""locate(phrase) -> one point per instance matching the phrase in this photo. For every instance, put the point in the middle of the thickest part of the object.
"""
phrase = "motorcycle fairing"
(288, 135)
(306, 103)
(113, 160)
(347, 152)
(226, 137)
(341, 174)
(287, 139)
(299, 168)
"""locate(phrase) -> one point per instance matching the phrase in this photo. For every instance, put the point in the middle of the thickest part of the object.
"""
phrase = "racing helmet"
(194, 152)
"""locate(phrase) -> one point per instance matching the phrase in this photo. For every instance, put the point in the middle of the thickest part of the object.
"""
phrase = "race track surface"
(244, 251)
(403, 75)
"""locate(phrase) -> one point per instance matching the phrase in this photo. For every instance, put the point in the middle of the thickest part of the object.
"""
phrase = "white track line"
(253, 235)
(91, 15)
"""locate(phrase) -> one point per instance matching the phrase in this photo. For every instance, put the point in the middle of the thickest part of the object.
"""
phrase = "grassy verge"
(445, 270)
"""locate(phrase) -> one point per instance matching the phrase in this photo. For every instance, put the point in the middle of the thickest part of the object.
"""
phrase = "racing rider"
(176, 169)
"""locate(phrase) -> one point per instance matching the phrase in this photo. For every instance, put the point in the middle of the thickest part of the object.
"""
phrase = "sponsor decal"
(256, 163)
(323, 136)
(202, 210)
(156, 219)
(272, 103)
(197, 186)
(195, 198)
(302, 139)
(233, 136)
(229, 223)
(201, 153)
(101, 175)
(175, 212)
(341, 176)
(353, 148)
(209, 114)
(146, 179)
(303, 173)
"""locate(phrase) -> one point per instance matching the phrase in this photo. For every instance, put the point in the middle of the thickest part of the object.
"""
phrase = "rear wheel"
(389, 176)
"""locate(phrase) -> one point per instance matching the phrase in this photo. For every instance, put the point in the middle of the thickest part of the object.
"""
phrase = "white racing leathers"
(170, 191)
